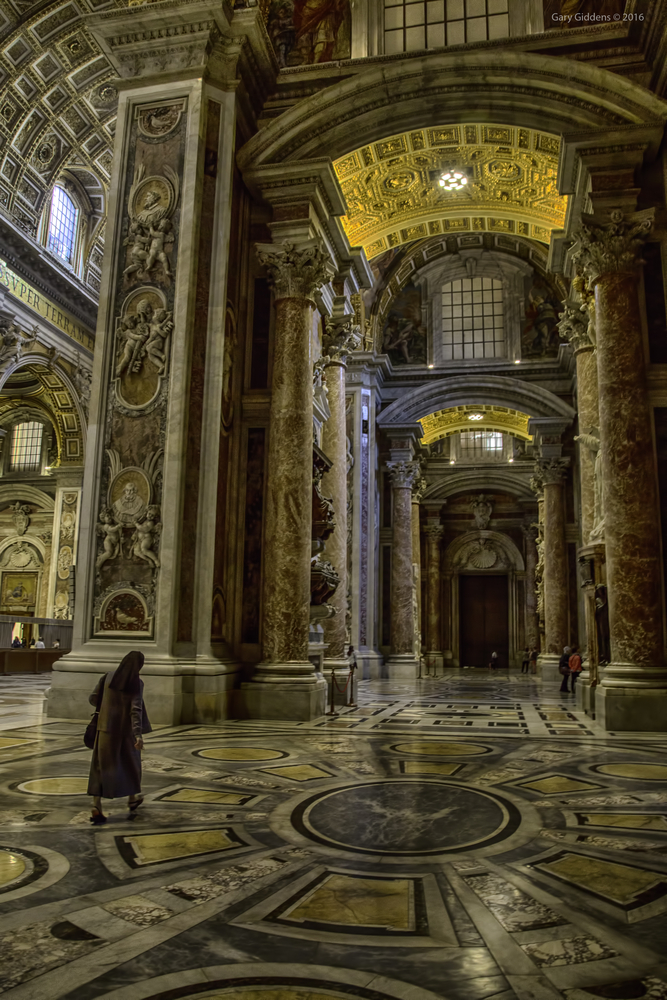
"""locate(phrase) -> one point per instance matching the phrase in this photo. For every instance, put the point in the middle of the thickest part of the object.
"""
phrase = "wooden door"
(483, 606)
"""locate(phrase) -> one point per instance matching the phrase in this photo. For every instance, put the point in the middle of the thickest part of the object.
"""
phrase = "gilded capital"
(614, 246)
(341, 336)
(403, 474)
(296, 272)
(551, 470)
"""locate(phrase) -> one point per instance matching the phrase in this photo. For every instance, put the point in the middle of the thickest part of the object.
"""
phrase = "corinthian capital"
(613, 247)
(296, 272)
(403, 474)
(341, 335)
(573, 327)
(434, 532)
(551, 470)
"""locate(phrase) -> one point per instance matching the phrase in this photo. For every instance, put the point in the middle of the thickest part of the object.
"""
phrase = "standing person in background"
(40, 644)
(494, 661)
(564, 668)
(574, 665)
(525, 663)
(115, 770)
(533, 660)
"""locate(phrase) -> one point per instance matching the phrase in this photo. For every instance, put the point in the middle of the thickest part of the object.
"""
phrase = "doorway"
(483, 604)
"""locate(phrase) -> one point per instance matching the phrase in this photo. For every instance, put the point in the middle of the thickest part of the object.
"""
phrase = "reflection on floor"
(465, 837)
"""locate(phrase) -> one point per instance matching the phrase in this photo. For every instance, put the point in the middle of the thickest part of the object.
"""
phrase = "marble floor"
(467, 837)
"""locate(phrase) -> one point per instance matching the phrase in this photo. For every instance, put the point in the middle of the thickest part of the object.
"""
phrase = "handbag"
(90, 734)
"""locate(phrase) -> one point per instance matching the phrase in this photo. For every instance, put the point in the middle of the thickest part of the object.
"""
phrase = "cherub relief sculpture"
(112, 534)
(145, 537)
(143, 335)
(14, 342)
(152, 202)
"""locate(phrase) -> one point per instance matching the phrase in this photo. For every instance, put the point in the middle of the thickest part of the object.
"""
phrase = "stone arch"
(58, 398)
(10, 492)
(484, 480)
(506, 87)
(495, 539)
(484, 389)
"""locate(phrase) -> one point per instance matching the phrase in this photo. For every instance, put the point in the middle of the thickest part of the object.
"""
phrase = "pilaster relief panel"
(65, 531)
(127, 557)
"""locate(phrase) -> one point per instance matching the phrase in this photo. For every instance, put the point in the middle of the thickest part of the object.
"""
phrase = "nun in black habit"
(115, 770)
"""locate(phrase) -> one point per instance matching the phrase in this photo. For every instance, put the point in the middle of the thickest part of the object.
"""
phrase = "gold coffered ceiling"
(442, 423)
(392, 193)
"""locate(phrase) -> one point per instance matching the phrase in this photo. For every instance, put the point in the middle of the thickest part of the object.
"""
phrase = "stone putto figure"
(145, 537)
(112, 534)
(482, 510)
(14, 342)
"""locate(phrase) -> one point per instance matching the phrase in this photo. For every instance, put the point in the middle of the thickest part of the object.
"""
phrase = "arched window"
(472, 319)
(61, 234)
(26, 447)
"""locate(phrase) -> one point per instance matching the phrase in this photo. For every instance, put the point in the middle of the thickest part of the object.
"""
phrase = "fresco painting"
(304, 32)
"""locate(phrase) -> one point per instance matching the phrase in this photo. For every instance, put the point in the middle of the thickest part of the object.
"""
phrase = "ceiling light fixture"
(474, 416)
(430, 366)
(510, 459)
(451, 461)
(453, 180)
(517, 361)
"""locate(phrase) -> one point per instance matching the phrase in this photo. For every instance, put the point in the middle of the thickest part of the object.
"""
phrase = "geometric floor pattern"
(466, 837)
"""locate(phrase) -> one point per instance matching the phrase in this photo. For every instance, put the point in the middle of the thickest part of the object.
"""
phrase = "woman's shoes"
(133, 806)
(97, 818)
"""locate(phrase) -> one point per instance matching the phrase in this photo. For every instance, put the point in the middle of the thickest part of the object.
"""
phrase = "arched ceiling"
(472, 417)
(57, 110)
(393, 197)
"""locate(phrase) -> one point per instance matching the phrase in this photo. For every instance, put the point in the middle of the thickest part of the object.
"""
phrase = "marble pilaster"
(145, 563)
(633, 688)
(402, 661)
(286, 685)
(551, 472)
(340, 337)
(418, 489)
(434, 654)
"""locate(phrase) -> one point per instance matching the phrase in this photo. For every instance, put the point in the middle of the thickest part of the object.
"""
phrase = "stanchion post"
(352, 703)
(332, 710)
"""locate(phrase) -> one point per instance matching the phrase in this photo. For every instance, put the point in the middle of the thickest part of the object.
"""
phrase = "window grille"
(428, 24)
(62, 225)
(472, 319)
(26, 450)
(481, 444)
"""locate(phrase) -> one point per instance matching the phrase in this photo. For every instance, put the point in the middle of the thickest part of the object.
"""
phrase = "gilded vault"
(393, 196)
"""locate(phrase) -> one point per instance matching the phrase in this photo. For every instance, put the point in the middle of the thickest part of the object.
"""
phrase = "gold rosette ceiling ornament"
(452, 179)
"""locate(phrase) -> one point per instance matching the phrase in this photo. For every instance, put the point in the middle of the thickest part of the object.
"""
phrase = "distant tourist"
(16, 642)
(494, 661)
(525, 663)
(564, 668)
(32, 643)
(533, 660)
(575, 666)
(56, 644)
(39, 644)
(115, 770)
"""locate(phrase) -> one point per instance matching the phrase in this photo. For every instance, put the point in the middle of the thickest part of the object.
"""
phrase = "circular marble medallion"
(431, 748)
(55, 786)
(406, 817)
(12, 867)
(240, 753)
(638, 771)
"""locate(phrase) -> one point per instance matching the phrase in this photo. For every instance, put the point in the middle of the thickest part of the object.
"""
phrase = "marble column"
(402, 660)
(340, 337)
(633, 689)
(286, 685)
(532, 627)
(551, 472)
(434, 533)
(575, 325)
(418, 489)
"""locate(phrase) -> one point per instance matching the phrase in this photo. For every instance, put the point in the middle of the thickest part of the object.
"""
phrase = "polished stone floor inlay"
(406, 817)
(520, 853)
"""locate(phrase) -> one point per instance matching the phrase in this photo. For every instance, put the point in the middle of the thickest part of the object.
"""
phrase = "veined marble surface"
(465, 838)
